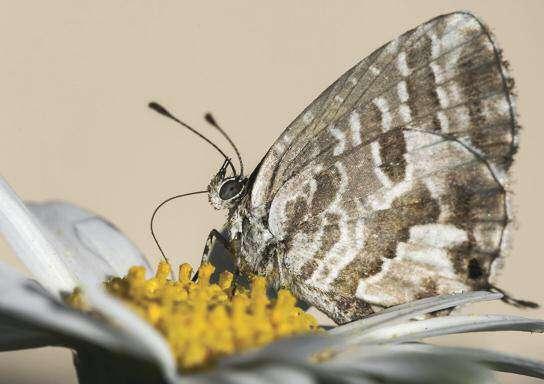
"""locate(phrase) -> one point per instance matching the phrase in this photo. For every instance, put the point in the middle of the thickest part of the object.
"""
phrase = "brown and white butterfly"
(392, 185)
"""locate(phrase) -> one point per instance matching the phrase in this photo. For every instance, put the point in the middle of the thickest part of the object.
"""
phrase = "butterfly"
(392, 185)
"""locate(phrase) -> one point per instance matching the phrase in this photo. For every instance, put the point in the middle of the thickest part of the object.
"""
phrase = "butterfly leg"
(213, 235)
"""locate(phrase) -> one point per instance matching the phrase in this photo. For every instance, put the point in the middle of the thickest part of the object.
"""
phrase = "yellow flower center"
(203, 321)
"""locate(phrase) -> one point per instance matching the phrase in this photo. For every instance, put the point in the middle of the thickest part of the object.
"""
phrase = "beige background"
(75, 78)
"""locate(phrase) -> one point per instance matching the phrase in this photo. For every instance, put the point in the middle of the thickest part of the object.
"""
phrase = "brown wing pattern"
(393, 184)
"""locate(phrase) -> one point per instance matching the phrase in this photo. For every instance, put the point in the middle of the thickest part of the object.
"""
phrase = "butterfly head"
(225, 191)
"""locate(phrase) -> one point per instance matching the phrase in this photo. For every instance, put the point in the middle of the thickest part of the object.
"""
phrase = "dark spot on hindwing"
(471, 265)
(474, 269)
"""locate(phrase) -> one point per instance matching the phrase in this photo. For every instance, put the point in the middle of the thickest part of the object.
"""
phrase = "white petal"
(282, 350)
(30, 244)
(392, 366)
(145, 337)
(87, 243)
(281, 375)
(416, 330)
(496, 360)
(413, 309)
(266, 373)
(91, 247)
(25, 304)
(379, 366)
(239, 377)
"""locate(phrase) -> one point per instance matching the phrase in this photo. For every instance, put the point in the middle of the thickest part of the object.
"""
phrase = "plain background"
(75, 78)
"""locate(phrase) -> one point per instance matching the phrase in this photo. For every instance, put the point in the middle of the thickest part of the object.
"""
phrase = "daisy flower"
(92, 291)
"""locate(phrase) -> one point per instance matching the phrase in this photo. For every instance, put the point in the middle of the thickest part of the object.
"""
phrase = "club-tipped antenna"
(152, 221)
(163, 111)
(210, 119)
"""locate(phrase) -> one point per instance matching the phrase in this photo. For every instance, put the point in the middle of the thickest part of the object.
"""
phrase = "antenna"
(210, 119)
(151, 222)
(163, 111)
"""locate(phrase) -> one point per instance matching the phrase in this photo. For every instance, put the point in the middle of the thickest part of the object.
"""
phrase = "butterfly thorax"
(251, 242)
(255, 249)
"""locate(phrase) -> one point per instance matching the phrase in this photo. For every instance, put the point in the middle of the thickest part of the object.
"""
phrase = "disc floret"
(203, 321)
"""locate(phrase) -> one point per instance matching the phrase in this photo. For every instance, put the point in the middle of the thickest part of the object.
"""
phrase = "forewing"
(392, 185)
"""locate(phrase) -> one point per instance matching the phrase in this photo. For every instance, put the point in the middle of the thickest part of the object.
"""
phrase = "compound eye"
(230, 189)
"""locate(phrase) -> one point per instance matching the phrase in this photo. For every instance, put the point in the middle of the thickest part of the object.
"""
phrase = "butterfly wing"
(392, 185)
